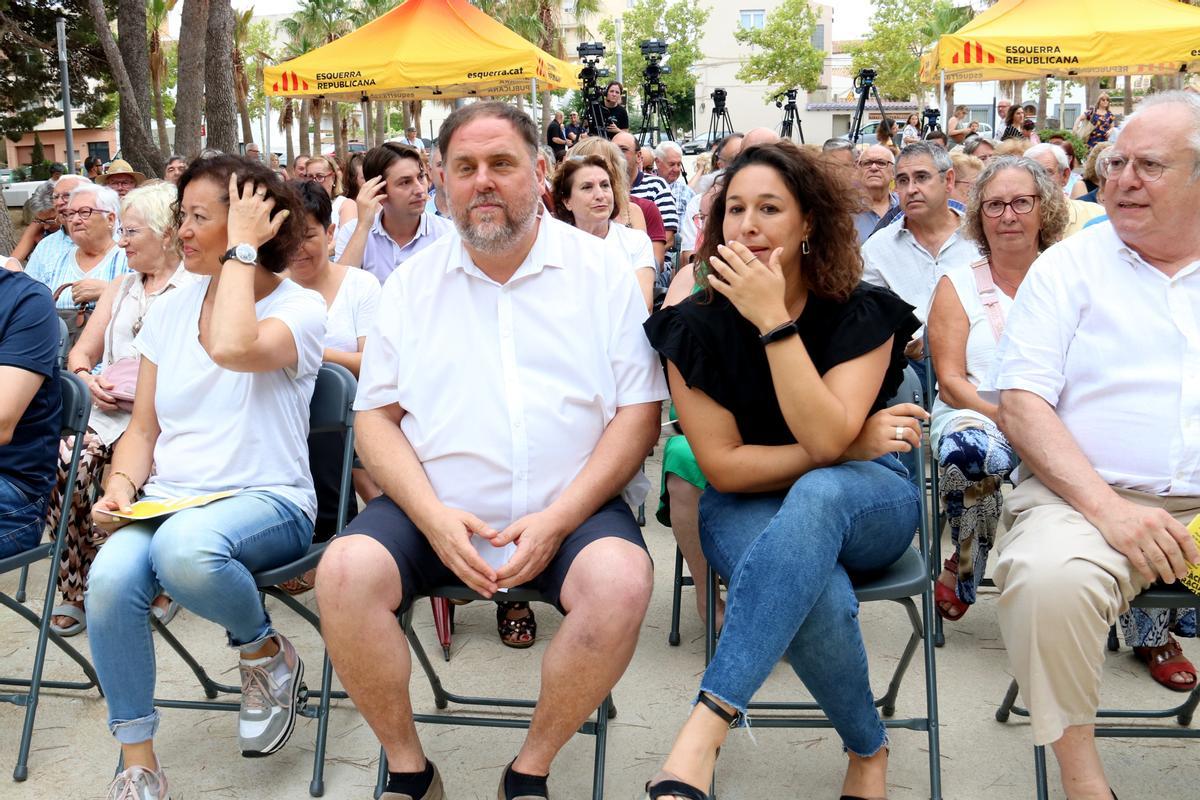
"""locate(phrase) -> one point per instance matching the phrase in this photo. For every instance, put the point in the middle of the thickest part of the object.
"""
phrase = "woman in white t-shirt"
(228, 367)
(352, 297)
(583, 197)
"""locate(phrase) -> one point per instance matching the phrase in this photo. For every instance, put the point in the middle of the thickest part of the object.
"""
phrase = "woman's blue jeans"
(787, 559)
(205, 559)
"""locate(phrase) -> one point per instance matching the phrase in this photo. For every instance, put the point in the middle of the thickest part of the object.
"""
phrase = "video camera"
(779, 98)
(718, 97)
(590, 54)
(932, 115)
(865, 79)
(653, 51)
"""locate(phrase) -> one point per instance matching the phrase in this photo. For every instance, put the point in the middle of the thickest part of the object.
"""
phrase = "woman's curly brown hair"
(833, 266)
(277, 252)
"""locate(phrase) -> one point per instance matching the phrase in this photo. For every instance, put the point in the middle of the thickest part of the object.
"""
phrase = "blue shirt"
(29, 341)
(66, 270)
(383, 254)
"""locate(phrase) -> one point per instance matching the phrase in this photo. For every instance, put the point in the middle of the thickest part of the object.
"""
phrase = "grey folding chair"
(64, 346)
(76, 408)
(442, 698)
(1157, 596)
(330, 411)
(677, 585)
(907, 578)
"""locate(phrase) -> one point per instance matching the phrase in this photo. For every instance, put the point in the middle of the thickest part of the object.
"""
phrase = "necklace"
(1012, 287)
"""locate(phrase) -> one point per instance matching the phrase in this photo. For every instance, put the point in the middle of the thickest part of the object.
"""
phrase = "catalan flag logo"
(295, 84)
(972, 53)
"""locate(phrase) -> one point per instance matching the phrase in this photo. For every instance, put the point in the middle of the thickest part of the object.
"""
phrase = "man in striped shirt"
(649, 187)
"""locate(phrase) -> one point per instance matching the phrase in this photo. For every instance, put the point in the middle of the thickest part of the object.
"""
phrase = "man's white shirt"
(506, 389)
(1113, 345)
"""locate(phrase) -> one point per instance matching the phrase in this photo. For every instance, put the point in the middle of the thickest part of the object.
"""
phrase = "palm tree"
(322, 21)
(299, 43)
(156, 20)
(364, 12)
(241, 84)
(944, 19)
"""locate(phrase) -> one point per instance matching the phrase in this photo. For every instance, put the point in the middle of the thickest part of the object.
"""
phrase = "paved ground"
(73, 755)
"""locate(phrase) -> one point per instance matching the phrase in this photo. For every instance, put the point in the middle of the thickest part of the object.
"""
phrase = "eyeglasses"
(1021, 204)
(83, 213)
(318, 176)
(1111, 166)
(878, 163)
(60, 196)
(699, 219)
(45, 223)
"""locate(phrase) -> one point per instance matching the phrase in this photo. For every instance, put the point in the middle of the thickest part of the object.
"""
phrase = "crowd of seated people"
(201, 309)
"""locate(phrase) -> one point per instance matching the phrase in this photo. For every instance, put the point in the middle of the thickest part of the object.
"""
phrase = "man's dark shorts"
(421, 570)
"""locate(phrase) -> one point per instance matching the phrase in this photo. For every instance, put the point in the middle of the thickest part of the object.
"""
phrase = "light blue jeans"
(205, 559)
(787, 559)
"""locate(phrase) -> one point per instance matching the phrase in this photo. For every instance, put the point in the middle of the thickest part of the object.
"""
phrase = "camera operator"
(615, 115)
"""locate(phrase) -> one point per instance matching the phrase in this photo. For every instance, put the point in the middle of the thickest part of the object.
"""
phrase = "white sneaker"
(270, 695)
(139, 783)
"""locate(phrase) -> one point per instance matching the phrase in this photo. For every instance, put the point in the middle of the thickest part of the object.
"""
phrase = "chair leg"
(1189, 708)
(888, 701)
(60, 643)
(641, 515)
(1010, 698)
(602, 717)
(676, 599)
(710, 619)
(1039, 772)
(20, 595)
(211, 688)
(381, 779)
(440, 698)
(317, 787)
(931, 698)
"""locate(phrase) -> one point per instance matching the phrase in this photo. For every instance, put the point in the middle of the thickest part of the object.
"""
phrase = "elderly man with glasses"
(876, 167)
(1100, 395)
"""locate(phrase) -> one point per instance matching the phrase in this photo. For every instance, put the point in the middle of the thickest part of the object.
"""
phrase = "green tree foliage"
(29, 80)
(784, 55)
(680, 24)
(900, 31)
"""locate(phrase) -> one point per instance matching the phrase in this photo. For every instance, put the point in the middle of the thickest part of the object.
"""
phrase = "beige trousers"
(1061, 587)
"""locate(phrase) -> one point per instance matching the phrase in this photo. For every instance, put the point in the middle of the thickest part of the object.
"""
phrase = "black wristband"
(782, 332)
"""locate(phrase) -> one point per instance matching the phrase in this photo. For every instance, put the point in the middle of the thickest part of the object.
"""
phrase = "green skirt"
(678, 460)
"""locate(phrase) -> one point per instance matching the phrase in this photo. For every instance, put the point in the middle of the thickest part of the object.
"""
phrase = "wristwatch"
(782, 332)
(244, 252)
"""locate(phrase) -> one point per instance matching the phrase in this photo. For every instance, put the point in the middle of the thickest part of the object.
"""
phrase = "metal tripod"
(863, 86)
(790, 118)
(656, 118)
(719, 125)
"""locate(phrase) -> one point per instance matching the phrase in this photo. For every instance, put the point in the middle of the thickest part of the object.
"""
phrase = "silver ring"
(899, 433)
(261, 191)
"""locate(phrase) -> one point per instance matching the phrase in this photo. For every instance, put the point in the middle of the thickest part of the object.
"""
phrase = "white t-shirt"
(687, 226)
(981, 349)
(635, 245)
(352, 312)
(222, 429)
(507, 388)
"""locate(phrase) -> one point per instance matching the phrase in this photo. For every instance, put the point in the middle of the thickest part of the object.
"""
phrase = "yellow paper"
(149, 509)
(1192, 581)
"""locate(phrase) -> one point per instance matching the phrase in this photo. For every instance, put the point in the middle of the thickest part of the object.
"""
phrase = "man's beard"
(505, 226)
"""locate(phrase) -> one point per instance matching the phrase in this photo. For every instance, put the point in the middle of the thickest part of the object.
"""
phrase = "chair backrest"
(64, 342)
(76, 404)
(910, 390)
(332, 405)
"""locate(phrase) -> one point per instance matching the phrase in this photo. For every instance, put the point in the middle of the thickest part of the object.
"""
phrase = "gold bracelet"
(128, 480)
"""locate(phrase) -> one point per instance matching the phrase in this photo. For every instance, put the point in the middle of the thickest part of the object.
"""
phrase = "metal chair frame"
(76, 409)
(904, 580)
(335, 385)
(442, 698)
(1157, 596)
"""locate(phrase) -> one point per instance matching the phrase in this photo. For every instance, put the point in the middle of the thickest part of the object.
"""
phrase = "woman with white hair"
(83, 272)
(105, 359)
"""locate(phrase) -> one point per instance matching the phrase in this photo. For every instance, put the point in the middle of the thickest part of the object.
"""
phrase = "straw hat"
(119, 166)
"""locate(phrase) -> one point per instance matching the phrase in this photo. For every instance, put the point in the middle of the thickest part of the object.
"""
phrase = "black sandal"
(513, 631)
(667, 785)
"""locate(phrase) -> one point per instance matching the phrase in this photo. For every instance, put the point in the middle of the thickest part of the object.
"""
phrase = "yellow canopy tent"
(1017, 39)
(422, 50)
